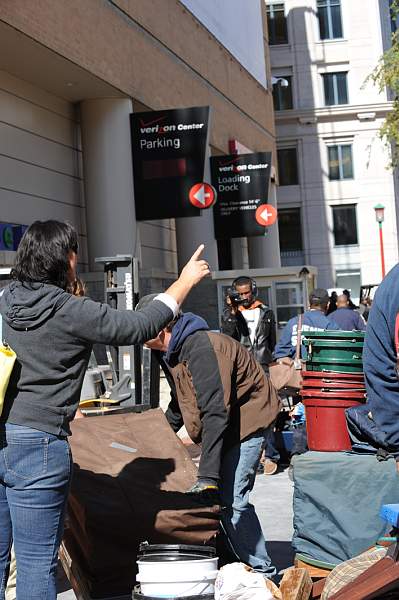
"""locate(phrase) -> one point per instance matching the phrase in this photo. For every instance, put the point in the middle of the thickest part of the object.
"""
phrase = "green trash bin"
(337, 351)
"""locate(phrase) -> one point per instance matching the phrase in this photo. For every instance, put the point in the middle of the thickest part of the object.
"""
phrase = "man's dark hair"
(243, 280)
(43, 253)
(319, 298)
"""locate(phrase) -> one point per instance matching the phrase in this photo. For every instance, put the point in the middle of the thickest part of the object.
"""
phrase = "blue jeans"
(271, 451)
(35, 472)
(239, 518)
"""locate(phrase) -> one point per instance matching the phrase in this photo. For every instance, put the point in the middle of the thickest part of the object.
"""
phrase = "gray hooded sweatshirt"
(52, 333)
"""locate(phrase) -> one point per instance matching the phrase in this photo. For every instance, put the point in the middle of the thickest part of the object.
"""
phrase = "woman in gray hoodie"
(52, 333)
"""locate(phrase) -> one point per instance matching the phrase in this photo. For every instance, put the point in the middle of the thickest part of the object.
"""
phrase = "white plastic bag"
(236, 582)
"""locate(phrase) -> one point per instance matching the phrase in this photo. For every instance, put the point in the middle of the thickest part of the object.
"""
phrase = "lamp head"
(379, 213)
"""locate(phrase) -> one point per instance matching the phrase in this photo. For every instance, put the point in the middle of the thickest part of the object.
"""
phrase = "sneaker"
(269, 467)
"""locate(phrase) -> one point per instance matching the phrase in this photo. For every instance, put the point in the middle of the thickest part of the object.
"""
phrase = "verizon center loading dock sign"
(242, 185)
(169, 149)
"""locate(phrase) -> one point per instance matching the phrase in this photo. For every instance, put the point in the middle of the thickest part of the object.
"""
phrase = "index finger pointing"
(198, 252)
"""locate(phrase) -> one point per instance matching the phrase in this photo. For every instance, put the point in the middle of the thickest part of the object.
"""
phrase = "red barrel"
(326, 423)
(333, 376)
(332, 384)
(341, 395)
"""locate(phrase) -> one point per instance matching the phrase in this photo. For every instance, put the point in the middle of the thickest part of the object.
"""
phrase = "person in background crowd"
(365, 307)
(314, 319)
(249, 321)
(346, 318)
(227, 403)
(351, 305)
(52, 333)
(332, 305)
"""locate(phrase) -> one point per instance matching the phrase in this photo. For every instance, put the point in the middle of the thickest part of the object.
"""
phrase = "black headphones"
(252, 282)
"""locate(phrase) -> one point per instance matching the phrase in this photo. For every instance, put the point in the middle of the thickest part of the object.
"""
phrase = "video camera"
(234, 296)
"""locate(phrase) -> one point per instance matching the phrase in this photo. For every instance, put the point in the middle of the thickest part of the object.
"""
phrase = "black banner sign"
(242, 185)
(169, 149)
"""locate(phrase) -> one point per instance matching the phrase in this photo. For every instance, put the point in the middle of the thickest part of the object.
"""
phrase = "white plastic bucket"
(163, 579)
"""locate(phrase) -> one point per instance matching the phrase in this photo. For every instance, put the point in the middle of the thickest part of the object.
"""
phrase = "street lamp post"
(379, 216)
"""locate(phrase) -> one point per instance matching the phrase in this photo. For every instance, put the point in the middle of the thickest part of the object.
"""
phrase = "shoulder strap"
(299, 338)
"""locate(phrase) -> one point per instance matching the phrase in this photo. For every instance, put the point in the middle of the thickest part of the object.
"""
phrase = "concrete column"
(239, 253)
(264, 252)
(193, 231)
(190, 233)
(108, 176)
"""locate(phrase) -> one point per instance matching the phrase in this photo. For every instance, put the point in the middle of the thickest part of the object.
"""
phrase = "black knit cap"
(319, 296)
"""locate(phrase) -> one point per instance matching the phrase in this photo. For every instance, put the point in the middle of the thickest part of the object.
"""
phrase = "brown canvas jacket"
(223, 395)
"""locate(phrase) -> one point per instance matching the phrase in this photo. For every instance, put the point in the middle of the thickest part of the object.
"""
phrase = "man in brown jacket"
(227, 403)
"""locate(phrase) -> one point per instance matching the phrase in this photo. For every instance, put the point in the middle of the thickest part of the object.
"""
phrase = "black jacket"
(265, 335)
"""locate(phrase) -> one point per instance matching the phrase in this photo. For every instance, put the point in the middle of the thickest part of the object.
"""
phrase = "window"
(335, 88)
(287, 166)
(330, 23)
(289, 300)
(277, 24)
(349, 279)
(340, 162)
(282, 93)
(345, 225)
(289, 229)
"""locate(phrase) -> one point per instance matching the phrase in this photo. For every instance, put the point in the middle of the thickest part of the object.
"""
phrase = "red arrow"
(266, 215)
(202, 195)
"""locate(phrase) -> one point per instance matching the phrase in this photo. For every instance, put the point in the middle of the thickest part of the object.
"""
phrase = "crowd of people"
(251, 322)
(220, 384)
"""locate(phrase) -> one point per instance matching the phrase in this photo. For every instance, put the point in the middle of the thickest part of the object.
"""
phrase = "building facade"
(332, 164)
(70, 75)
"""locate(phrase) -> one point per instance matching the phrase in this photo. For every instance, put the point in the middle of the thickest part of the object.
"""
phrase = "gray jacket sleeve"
(95, 322)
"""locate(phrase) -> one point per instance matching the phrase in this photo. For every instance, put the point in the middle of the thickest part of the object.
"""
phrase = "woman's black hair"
(43, 253)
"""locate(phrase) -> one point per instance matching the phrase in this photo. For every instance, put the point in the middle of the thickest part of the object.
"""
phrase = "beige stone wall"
(156, 52)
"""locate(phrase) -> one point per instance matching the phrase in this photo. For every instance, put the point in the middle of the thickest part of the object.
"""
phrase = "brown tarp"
(130, 472)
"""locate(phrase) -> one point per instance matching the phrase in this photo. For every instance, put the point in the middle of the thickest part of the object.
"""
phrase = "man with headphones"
(248, 320)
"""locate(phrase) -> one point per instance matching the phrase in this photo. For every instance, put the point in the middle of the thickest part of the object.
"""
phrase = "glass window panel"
(328, 81)
(336, 21)
(330, 22)
(288, 293)
(347, 165)
(287, 166)
(290, 230)
(342, 88)
(277, 24)
(323, 23)
(345, 225)
(282, 95)
(285, 313)
(333, 163)
(264, 294)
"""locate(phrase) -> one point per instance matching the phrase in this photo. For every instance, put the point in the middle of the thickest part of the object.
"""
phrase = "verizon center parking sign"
(169, 149)
(242, 186)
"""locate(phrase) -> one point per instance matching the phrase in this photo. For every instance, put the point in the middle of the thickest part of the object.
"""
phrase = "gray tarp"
(337, 499)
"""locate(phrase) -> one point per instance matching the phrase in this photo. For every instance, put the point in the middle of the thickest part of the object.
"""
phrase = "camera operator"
(249, 321)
